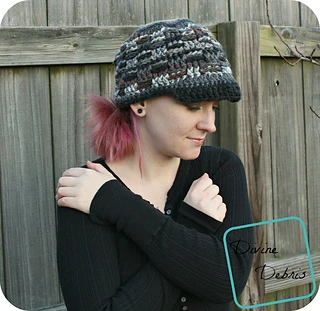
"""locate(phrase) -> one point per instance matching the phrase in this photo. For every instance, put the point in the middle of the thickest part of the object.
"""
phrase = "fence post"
(241, 127)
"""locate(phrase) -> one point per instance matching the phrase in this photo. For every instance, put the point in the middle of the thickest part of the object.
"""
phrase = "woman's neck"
(153, 169)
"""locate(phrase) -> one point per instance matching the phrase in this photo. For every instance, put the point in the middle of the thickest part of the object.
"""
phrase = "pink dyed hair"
(110, 129)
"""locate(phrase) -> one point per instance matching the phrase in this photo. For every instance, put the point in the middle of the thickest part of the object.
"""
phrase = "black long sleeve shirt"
(127, 255)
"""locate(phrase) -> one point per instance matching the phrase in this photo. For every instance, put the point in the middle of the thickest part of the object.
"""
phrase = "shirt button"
(168, 211)
(185, 308)
(183, 299)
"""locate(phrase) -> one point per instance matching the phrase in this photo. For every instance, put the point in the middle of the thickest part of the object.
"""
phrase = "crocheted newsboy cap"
(173, 57)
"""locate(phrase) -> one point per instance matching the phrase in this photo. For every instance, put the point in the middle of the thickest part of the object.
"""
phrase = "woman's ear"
(139, 109)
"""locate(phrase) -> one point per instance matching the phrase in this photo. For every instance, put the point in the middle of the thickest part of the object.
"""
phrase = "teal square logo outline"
(266, 223)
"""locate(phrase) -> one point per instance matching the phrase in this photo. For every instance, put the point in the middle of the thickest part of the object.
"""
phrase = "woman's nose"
(207, 122)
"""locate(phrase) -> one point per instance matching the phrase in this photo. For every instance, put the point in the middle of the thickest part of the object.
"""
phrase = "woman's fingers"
(63, 191)
(74, 172)
(66, 181)
(78, 186)
(68, 202)
(67, 192)
(212, 191)
(204, 196)
(202, 183)
(217, 200)
(221, 212)
(97, 167)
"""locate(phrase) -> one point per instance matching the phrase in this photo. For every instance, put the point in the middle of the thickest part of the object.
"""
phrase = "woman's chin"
(191, 155)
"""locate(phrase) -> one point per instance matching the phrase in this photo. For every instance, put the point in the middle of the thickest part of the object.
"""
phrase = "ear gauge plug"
(139, 110)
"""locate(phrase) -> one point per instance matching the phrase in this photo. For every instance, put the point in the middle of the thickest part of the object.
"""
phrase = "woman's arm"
(89, 272)
(194, 261)
(192, 218)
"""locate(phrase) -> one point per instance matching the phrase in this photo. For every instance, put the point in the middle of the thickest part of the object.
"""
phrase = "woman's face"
(174, 129)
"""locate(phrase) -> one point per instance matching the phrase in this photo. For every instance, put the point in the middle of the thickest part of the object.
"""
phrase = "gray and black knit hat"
(173, 57)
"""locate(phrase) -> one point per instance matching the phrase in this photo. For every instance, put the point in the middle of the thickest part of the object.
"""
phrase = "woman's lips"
(197, 141)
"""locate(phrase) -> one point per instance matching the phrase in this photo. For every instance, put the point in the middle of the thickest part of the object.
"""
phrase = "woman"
(144, 225)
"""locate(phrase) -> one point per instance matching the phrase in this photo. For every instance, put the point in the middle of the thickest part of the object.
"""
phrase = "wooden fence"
(46, 71)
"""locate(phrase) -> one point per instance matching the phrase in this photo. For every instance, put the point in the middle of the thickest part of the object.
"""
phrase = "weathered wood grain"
(69, 87)
(90, 45)
(208, 11)
(107, 80)
(63, 45)
(165, 9)
(308, 18)
(121, 12)
(304, 39)
(26, 13)
(285, 152)
(297, 264)
(293, 292)
(311, 85)
(72, 13)
(28, 207)
(283, 119)
(284, 12)
(250, 10)
(240, 123)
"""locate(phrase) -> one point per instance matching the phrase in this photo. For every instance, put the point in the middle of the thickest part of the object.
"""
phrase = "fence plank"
(165, 9)
(27, 188)
(65, 45)
(121, 12)
(72, 13)
(107, 80)
(69, 87)
(240, 123)
(308, 18)
(293, 293)
(283, 115)
(284, 12)
(304, 39)
(298, 264)
(242, 10)
(117, 13)
(208, 11)
(311, 80)
(26, 13)
(92, 45)
(284, 135)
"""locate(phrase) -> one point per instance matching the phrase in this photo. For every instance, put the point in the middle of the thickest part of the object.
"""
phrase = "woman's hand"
(204, 196)
(78, 186)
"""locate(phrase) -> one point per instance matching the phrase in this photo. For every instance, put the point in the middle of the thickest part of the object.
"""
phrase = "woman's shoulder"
(218, 154)
(214, 158)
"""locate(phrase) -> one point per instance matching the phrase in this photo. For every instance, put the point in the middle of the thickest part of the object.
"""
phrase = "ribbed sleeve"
(89, 271)
(127, 211)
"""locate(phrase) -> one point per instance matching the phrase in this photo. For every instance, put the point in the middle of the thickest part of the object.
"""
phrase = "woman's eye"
(193, 108)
